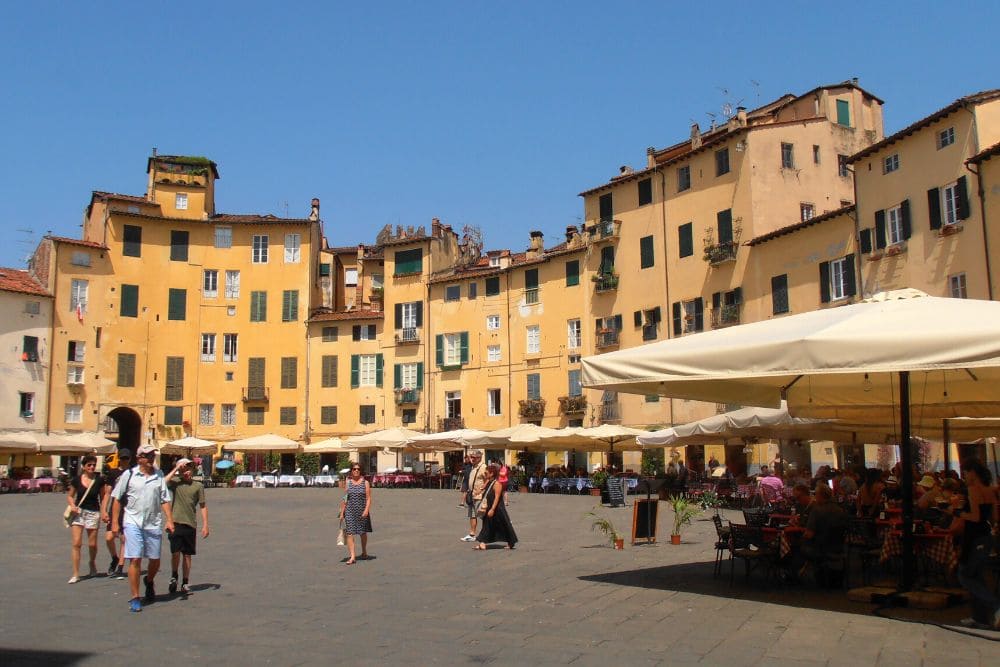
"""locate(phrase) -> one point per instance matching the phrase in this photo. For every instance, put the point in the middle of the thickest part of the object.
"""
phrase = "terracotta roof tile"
(763, 238)
(252, 218)
(347, 315)
(98, 194)
(80, 242)
(16, 280)
(985, 154)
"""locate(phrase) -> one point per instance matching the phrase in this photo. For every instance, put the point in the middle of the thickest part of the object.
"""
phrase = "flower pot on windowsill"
(894, 250)
(948, 230)
(875, 256)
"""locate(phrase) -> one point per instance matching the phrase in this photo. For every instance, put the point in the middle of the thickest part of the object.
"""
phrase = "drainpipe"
(53, 262)
(857, 232)
(982, 201)
(666, 273)
(510, 379)
(305, 431)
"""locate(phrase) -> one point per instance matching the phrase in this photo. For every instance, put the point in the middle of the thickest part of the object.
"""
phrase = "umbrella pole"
(906, 450)
(947, 443)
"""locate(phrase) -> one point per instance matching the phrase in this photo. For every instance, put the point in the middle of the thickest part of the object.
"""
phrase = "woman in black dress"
(496, 526)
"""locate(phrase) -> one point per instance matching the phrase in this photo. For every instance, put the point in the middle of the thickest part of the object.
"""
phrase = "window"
(258, 306)
(80, 259)
(29, 348)
(473, 290)
(175, 379)
(945, 137)
(367, 414)
(688, 316)
(534, 382)
(132, 241)
(73, 413)
(289, 372)
(493, 353)
(683, 178)
(495, 261)
(493, 403)
(232, 284)
(534, 342)
(787, 156)
(726, 307)
(493, 286)
(78, 296)
(607, 265)
(208, 347)
(890, 164)
(223, 237)
(74, 351)
(181, 201)
(408, 376)
(645, 191)
(842, 167)
(836, 279)
(328, 372)
(573, 273)
(452, 292)
(293, 248)
(178, 246)
(27, 406)
(259, 253)
(650, 321)
(229, 376)
(452, 349)
(574, 336)
(843, 113)
(949, 201)
(779, 294)
(210, 284)
(350, 277)
(324, 270)
(605, 207)
(32, 307)
(286, 416)
(129, 306)
(206, 414)
(290, 305)
(956, 286)
(177, 304)
(126, 370)
(328, 414)
(408, 318)
(409, 415)
(409, 262)
(366, 370)
(894, 225)
(806, 211)
(531, 286)
(229, 347)
(255, 416)
(575, 383)
(363, 332)
(330, 334)
(815, 154)
(228, 414)
(646, 255)
(492, 322)
(685, 239)
(949, 204)
(722, 162)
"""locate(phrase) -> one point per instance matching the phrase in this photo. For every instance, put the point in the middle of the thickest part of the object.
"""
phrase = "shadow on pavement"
(16, 657)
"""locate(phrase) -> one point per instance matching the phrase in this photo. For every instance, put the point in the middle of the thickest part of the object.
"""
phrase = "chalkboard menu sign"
(616, 491)
(644, 520)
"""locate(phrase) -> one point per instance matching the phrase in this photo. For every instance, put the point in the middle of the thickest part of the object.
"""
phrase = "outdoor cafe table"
(323, 480)
(442, 480)
(291, 480)
(785, 537)
(935, 545)
(244, 479)
(388, 479)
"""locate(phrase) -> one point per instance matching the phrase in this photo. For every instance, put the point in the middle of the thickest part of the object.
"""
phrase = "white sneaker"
(468, 538)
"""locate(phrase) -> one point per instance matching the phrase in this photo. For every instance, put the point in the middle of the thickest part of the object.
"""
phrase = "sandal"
(479, 547)
(350, 561)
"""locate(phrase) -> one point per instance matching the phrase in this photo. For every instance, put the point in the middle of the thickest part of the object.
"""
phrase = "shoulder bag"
(483, 508)
(69, 514)
(340, 533)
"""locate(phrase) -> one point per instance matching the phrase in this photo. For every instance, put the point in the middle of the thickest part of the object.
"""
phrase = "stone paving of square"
(271, 588)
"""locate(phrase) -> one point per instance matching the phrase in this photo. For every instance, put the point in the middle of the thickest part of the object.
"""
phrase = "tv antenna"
(756, 90)
(28, 241)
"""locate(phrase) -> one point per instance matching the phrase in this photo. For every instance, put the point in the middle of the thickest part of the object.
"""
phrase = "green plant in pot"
(604, 525)
(598, 479)
(710, 500)
(684, 511)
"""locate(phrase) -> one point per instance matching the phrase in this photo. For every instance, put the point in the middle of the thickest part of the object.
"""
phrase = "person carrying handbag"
(85, 497)
(474, 494)
(496, 522)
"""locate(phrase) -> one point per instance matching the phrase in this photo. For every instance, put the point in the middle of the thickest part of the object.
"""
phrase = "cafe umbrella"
(271, 443)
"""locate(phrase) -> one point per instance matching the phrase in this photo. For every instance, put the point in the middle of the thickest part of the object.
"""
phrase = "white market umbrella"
(189, 446)
(603, 438)
(390, 438)
(445, 440)
(18, 442)
(328, 446)
(269, 442)
(516, 435)
(74, 444)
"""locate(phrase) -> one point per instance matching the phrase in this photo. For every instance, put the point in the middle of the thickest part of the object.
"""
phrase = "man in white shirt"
(146, 500)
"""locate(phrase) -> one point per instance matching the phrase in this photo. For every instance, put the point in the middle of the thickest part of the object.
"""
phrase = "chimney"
(314, 214)
(695, 136)
(741, 116)
(650, 157)
(571, 234)
(435, 228)
(537, 240)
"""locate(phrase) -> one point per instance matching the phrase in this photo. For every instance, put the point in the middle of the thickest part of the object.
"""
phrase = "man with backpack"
(116, 544)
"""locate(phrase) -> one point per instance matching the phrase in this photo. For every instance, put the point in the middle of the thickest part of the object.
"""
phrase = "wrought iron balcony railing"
(607, 338)
(605, 282)
(532, 408)
(720, 253)
(571, 405)
(725, 316)
(451, 423)
(255, 395)
(407, 335)
(407, 396)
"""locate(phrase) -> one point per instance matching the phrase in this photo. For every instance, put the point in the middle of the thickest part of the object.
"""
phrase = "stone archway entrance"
(129, 427)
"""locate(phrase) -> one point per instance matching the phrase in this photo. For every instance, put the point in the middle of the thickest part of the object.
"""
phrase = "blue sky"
(488, 114)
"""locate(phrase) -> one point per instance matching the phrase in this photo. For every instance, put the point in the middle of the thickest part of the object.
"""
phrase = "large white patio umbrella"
(18, 442)
(603, 438)
(445, 440)
(329, 446)
(74, 444)
(860, 362)
(517, 435)
(271, 443)
(189, 446)
(390, 438)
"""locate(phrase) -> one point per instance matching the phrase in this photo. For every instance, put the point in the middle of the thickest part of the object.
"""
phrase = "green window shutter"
(419, 314)
(255, 372)
(371, 332)
(637, 318)
(493, 286)
(175, 379)
(843, 113)
(329, 372)
(716, 300)
(355, 373)
(725, 221)
(258, 306)
(289, 305)
(397, 376)
(178, 246)
(645, 191)
(824, 282)
(963, 198)
(678, 323)
(934, 207)
(420, 375)
(607, 259)
(618, 322)
(356, 332)
(880, 236)
(606, 207)
(904, 214)
(464, 346)
(779, 294)
(534, 386)
(379, 363)
(439, 349)
(865, 241)
(126, 370)
(531, 279)
(177, 304)
(130, 301)
(850, 280)
(685, 239)
(289, 372)
(699, 314)
(324, 270)
(573, 273)
(398, 316)
(132, 241)
(646, 252)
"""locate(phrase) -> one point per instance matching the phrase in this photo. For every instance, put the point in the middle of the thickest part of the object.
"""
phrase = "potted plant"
(710, 500)
(604, 525)
(597, 481)
(684, 511)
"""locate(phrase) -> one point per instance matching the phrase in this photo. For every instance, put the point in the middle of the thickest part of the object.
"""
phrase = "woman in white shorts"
(86, 497)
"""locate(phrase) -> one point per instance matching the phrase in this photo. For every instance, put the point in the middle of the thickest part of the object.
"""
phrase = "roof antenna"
(154, 151)
(756, 91)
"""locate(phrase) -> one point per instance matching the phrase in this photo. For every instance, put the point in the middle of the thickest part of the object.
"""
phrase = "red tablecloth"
(388, 479)
(785, 537)
(938, 547)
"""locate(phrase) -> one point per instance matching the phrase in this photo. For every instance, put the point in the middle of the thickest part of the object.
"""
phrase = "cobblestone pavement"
(270, 588)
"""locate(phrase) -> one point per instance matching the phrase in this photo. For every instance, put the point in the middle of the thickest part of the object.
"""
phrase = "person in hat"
(116, 464)
(147, 512)
(930, 492)
(189, 497)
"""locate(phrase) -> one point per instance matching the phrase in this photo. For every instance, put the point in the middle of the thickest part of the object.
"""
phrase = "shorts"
(89, 519)
(121, 520)
(471, 507)
(183, 539)
(142, 542)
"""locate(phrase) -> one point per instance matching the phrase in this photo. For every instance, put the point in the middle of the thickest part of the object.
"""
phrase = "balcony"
(605, 282)
(377, 295)
(533, 408)
(256, 395)
(605, 230)
(726, 316)
(607, 338)
(407, 396)
(408, 336)
(573, 405)
(610, 413)
(450, 423)
(531, 295)
(720, 253)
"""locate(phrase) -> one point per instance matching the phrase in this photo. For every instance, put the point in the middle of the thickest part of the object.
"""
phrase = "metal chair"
(747, 543)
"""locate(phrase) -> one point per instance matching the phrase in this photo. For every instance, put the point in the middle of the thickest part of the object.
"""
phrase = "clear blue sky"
(490, 114)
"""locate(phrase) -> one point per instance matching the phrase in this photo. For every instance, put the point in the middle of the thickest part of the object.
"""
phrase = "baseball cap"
(184, 461)
(146, 449)
(124, 453)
